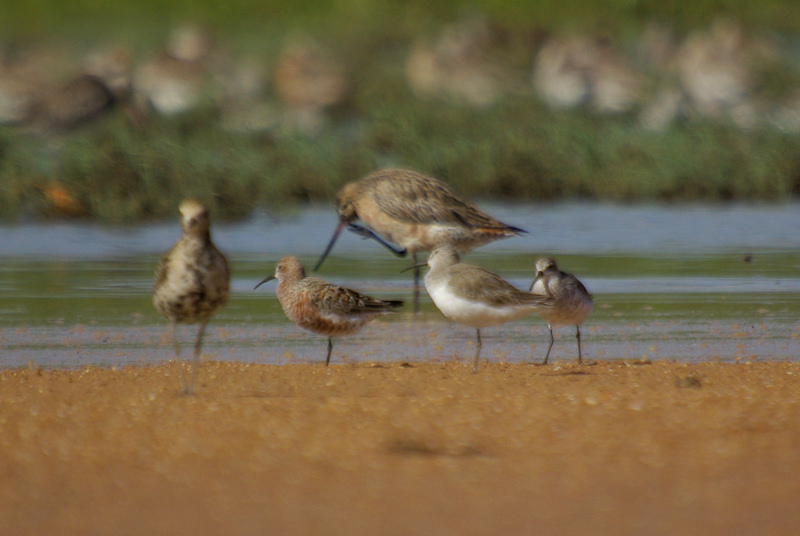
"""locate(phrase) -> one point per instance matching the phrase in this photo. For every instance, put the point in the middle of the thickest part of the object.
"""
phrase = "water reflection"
(688, 283)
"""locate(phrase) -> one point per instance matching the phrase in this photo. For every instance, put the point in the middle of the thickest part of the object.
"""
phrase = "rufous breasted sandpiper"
(322, 307)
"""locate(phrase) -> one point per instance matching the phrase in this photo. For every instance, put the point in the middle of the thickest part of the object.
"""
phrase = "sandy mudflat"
(615, 448)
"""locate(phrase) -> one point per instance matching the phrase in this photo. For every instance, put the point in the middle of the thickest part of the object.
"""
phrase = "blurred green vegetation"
(254, 18)
(515, 149)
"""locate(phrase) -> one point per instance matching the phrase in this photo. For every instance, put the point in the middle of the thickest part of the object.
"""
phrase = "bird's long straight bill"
(328, 249)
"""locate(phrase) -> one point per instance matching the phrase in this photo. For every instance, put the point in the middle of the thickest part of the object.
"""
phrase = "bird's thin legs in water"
(198, 343)
(477, 351)
(189, 390)
(173, 329)
(552, 340)
(416, 283)
(578, 336)
(330, 347)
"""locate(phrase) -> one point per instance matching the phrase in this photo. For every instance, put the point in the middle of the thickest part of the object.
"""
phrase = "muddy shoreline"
(375, 448)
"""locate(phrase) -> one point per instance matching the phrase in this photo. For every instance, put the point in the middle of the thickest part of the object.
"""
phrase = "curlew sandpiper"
(409, 212)
(476, 297)
(192, 281)
(572, 302)
(322, 307)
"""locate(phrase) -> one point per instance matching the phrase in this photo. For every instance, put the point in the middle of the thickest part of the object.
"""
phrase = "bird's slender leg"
(416, 283)
(196, 363)
(552, 340)
(578, 336)
(477, 351)
(330, 347)
(173, 329)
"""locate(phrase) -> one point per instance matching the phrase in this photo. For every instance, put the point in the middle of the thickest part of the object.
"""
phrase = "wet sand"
(397, 449)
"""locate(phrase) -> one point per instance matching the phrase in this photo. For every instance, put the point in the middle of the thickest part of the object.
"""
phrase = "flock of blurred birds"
(717, 72)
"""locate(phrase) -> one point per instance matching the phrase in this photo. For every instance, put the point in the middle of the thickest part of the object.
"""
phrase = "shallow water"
(691, 283)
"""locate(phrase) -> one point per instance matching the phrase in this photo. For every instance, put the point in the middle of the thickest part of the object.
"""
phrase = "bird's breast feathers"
(474, 313)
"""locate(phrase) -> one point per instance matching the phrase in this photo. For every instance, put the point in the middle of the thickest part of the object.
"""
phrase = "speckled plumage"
(415, 212)
(322, 307)
(192, 281)
(572, 305)
(474, 296)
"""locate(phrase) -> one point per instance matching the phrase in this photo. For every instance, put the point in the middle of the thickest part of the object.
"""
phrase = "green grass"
(516, 149)
(103, 19)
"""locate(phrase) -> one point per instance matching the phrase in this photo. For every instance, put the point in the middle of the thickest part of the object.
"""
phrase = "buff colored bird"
(192, 281)
(409, 212)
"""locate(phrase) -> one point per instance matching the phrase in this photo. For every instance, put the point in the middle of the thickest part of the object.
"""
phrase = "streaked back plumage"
(192, 281)
(418, 212)
(322, 307)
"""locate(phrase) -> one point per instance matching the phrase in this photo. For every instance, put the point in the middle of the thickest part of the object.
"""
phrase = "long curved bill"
(268, 278)
(328, 249)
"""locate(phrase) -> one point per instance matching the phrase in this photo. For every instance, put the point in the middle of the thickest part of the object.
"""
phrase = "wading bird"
(192, 282)
(322, 307)
(409, 212)
(474, 296)
(572, 303)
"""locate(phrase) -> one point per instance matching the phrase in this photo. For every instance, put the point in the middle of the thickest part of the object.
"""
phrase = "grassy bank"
(96, 19)
(514, 149)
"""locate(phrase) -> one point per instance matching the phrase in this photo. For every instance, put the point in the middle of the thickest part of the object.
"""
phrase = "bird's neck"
(289, 280)
(202, 237)
(436, 276)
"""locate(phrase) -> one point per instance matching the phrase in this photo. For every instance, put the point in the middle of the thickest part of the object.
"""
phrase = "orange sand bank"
(615, 448)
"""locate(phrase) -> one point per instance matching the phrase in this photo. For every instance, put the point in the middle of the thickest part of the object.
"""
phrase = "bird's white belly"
(474, 313)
